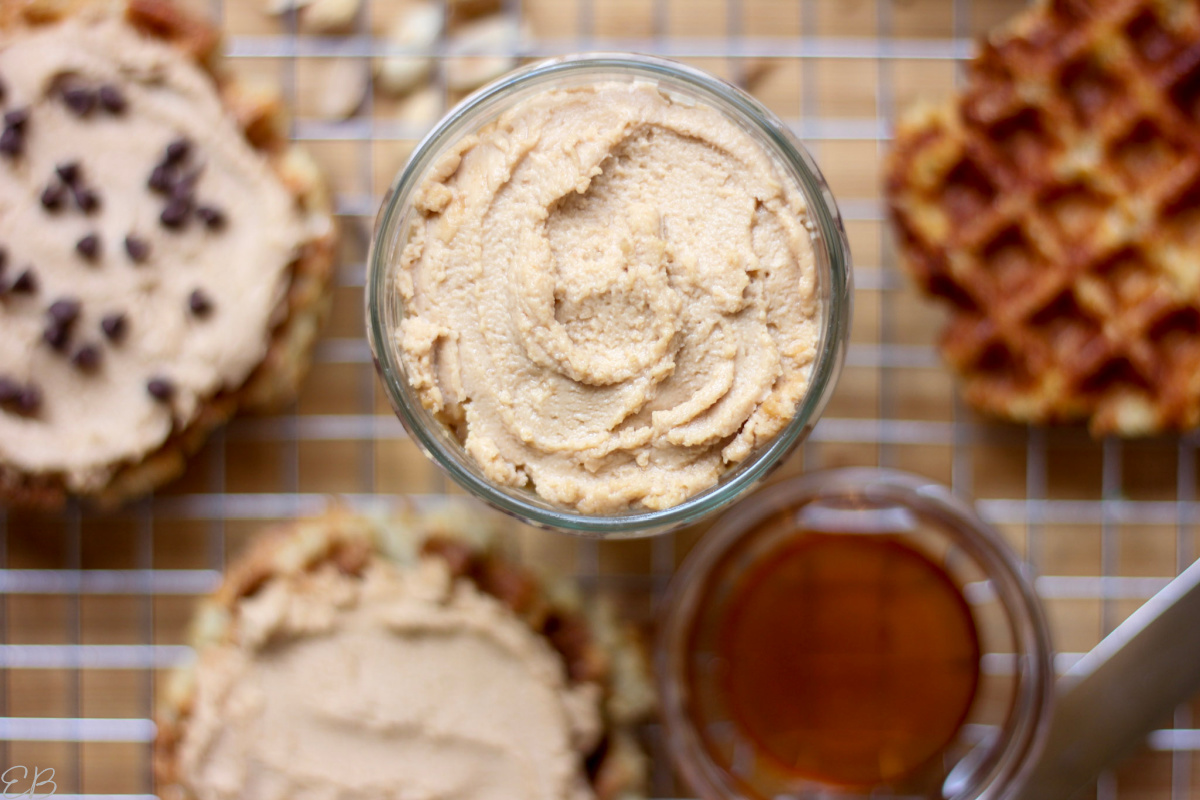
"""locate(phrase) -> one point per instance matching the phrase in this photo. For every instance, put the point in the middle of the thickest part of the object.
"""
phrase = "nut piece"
(416, 29)
(398, 75)
(341, 84)
(480, 51)
(280, 7)
(329, 16)
(422, 107)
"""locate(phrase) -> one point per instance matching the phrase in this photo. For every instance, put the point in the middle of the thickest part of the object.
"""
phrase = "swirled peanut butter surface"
(610, 296)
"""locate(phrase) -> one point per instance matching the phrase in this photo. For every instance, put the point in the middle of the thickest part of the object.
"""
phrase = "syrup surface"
(848, 659)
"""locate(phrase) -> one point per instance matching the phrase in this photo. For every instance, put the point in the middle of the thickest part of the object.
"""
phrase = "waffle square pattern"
(1054, 207)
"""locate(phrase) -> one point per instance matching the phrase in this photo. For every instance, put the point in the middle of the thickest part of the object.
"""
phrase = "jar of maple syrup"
(856, 633)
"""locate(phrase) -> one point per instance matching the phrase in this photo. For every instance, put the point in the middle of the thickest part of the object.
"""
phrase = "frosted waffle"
(1055, 208)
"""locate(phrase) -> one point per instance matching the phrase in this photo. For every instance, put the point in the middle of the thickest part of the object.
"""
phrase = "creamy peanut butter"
(401, 684)
(161, 309)
(610, 295)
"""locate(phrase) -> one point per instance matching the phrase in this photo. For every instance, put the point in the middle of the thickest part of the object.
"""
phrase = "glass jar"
(385, 307)
(994, 747)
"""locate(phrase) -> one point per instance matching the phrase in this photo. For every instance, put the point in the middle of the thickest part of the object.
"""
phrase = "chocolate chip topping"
(69, 171)
(3, 258)
(57, 335)
(114, 326)
(89, 246)
(212, 217)
(184, 186)
(12, 143)
(65, 310)
(160, 389)
(161, 179)
(137, 248)
(30, 400)
(176, 213)
(178, 150)
(23, 399)
(16, 119)
(80, 99)
(53, 196)
(26, 282)
(199, 303)
(112, 99)
(63, 313)
(3, 91)
(86, 198)
(87, 357)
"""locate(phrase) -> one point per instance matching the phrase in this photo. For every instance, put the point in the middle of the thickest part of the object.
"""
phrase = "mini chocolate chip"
(161, 179)
(53, 196)
(178, 150)
(22, 399)
(184, 186)
(176, 213)
(26, 282)
(65, 310)
(114, 326)
(112, 98)
(199, 303)
(12, 143)
(212, 217)
(160, 389)
(137, 248)
(3, 90)
(89, 246)
(4, 287)
(3, 258)
(87, 199)
(57, 335)
(79, 99)
(30, 399)
(69, 171)
(17, 118)
(87, 357)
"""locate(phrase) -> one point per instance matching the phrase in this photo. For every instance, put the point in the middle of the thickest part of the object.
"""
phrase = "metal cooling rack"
(93, 606)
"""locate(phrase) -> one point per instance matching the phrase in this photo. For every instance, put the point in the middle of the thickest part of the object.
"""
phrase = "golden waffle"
(1055, 207)
(594, 646)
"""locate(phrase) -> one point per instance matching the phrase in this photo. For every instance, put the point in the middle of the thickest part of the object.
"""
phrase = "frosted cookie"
(164, 253)
(346, 657)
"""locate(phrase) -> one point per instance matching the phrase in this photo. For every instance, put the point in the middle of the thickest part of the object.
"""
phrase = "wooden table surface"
(1104, 523)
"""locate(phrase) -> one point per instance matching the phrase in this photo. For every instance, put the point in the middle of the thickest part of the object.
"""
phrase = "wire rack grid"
(93, 607)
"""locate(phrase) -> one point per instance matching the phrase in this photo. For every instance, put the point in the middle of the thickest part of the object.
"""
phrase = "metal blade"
(1123, 689)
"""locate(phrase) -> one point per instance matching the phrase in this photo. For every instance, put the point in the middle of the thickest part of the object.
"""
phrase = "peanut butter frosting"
(144, 247)
(610, 295)
(399, 683)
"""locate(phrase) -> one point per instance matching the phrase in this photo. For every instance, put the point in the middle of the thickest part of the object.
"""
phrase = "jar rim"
(835, 284)
(1028, 719)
